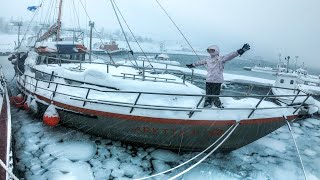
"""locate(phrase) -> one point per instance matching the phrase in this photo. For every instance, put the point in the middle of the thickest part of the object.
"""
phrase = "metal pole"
(59, 21)
(19, 28)
(295, 66)
(19, 24)
(91, 24)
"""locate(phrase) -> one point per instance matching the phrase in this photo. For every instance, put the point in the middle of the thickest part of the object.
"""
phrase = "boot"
(207, 104)
(218, 104)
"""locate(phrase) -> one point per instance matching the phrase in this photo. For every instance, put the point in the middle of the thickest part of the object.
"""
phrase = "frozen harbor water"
(60, 153)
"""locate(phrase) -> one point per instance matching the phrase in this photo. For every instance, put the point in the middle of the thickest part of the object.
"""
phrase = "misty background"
(289, 27)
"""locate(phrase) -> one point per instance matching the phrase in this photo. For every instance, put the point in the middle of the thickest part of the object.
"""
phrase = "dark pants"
(213, 89)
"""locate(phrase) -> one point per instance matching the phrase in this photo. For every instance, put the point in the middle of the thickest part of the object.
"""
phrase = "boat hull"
(175, 135)
(180, 134)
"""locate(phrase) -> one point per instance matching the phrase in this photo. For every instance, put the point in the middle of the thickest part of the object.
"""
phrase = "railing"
(143, 69)
(135, 103)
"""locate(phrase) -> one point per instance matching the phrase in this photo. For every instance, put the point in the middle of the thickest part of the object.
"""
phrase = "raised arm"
(232, 55)
(229, 56)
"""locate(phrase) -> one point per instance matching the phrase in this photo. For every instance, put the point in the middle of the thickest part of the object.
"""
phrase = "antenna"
(288, 60)
(295, 66)
(279, 57)
(19, 24)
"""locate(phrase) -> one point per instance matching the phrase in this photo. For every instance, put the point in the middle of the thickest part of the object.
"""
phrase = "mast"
(19, 24)
(295, 66)
(91, 24)
(59, 20)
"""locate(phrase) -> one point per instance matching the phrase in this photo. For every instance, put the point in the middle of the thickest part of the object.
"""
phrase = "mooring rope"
(180, 165)
(295, 143)
(178, 29)
(205, 157)
(120, 24)
(94, 28)
(7, 170)
(134, 37)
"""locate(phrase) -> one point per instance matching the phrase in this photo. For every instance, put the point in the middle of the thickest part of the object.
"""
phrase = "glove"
(190, 65)
(244, 48)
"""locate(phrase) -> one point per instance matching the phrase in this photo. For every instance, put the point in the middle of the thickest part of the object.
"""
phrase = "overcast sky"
(290, 27)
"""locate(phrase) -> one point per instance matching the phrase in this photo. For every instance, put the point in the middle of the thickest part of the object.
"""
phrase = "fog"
(289, 27)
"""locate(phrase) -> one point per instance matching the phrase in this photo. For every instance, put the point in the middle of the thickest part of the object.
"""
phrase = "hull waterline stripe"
(139, 118)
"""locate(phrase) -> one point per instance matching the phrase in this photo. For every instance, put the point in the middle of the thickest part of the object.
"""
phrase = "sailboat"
(135, 104)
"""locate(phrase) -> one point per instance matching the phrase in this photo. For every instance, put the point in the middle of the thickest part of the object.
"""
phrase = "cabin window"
(281, 80)
(291, 82)
(38, 60)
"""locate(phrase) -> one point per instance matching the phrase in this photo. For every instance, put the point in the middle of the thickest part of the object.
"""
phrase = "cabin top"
(163, 57)
(60, 47)
(286, 80)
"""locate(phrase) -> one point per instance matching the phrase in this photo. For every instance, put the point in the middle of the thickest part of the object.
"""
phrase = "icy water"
(60, 153)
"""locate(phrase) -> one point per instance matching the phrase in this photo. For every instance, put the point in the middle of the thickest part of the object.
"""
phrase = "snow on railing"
(8, 171)
(155, 107)
(143, 69)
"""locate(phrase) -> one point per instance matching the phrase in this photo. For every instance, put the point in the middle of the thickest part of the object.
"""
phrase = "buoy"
(51, 116)
(17, 100)
(26, 105)
(33, 106)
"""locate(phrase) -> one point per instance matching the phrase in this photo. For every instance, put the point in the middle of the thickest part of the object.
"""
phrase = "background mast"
(59, 20)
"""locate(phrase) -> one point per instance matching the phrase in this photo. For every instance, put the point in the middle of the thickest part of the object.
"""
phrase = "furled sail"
(51, 31)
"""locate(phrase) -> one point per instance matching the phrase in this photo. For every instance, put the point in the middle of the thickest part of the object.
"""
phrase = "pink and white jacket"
(215, 64)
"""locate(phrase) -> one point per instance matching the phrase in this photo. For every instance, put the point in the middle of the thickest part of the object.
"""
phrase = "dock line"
(295, 143)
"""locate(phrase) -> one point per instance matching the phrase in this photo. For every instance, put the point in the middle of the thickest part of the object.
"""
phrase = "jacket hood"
(216, 48)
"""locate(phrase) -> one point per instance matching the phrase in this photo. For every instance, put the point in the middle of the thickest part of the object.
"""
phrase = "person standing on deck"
(215, 67)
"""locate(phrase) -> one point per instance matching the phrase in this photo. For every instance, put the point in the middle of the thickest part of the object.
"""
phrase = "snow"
(97, 74)
(111, 163)
(33, 106)
(72, 150)
(202, 73)
(258, 160)
(273, 144)
(7, 42)
(153, 47)
(51, 111)
(205, 172)
(66, 169)
(310, 89)
(164, 155)
(160, 166)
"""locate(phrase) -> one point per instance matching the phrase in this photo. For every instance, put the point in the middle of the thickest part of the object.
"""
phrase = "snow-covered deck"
(227, 76)
(162, 99)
